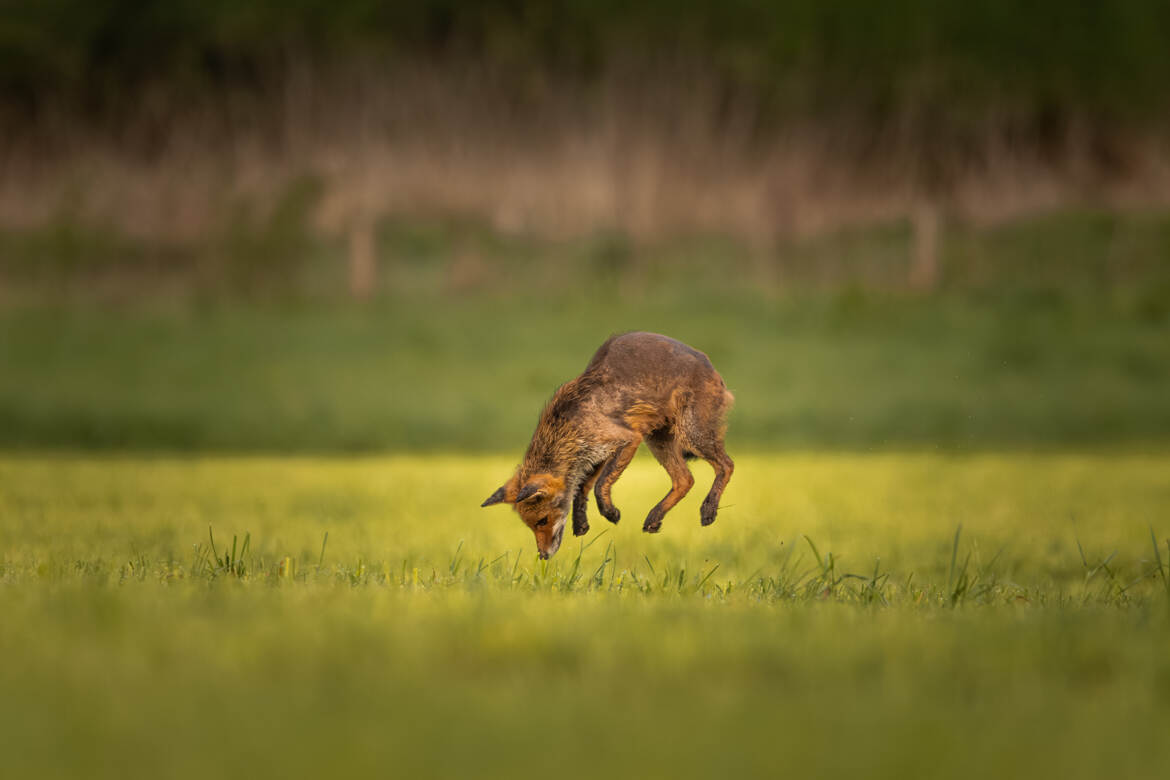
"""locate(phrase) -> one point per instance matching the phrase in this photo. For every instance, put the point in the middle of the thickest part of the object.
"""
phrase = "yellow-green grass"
(834, 620)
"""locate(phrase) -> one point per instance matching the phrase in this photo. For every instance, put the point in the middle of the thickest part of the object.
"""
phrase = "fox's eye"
(542, 522)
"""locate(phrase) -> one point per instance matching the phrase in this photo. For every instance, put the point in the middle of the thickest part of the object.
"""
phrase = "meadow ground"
(835, 620)
(436, 372)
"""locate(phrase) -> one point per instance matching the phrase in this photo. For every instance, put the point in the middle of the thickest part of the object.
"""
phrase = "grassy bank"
(851, 370)
(1040, 333)
(424, 637)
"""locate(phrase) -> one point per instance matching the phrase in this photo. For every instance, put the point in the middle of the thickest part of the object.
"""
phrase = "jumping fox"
(639, 387)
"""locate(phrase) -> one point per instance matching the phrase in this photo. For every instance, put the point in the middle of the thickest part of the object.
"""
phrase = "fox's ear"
(542, 484)
(528, 491)
(498, 497)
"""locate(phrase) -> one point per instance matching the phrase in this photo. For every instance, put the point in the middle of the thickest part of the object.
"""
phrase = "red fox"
(638, 387)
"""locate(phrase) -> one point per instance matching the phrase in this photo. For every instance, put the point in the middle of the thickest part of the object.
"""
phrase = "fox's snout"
(549, 541)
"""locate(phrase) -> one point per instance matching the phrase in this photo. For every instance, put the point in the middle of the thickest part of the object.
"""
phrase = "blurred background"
(348, 225)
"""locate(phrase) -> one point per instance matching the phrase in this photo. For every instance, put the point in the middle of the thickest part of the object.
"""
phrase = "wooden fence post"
(924, 268)
(363, 268)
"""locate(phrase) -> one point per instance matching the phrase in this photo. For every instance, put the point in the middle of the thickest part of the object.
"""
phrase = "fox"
(638, 387)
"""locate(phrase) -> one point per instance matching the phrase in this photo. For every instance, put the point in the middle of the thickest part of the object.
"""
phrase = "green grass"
(883, 615)
(1046, 332)
(442, 373)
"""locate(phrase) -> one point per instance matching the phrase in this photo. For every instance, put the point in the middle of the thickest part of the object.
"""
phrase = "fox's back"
(649, 364)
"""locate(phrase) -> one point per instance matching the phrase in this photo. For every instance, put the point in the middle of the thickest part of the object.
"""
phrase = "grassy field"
(443, 373)
(284, 286)
(882, 615)
(1049, 333)
(235, 540)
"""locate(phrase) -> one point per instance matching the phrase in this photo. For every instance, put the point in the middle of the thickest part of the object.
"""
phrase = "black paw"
(707, 514)
(652, 525)
(612, 513)
(580, 517)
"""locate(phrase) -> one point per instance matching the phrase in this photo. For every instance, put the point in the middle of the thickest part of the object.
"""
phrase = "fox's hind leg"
(668, 451)
(703, 428)
(724, 466)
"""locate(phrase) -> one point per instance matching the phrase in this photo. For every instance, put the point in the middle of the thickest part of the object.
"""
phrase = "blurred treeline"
(906, 223)
(170, 120)
(1105, 60)
(227, 144)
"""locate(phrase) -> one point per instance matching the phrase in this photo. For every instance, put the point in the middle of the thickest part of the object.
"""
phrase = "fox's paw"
(610, 513)
(580, 528)
(707, 512)
(652, 525)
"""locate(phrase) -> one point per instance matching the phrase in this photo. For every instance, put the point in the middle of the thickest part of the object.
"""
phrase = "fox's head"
(542, 504)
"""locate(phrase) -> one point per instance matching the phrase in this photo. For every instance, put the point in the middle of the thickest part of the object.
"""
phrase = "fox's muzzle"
(549, 548)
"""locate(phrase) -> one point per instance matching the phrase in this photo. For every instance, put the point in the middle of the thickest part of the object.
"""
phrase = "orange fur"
(638, 387)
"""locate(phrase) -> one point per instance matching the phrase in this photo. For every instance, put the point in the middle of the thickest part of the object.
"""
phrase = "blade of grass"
(954, 560)
(1158, 559)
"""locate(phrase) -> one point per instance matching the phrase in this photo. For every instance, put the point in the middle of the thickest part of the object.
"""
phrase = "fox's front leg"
(580, 521)
(609, 474)
(581, 501)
